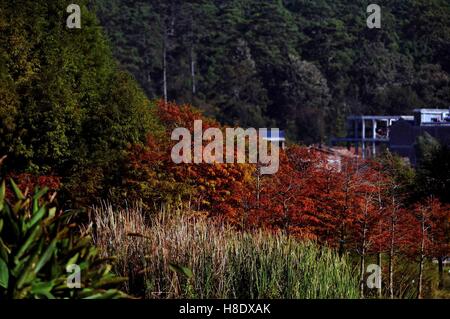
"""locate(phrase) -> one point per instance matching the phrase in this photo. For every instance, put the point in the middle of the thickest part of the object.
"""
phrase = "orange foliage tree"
(153, 177)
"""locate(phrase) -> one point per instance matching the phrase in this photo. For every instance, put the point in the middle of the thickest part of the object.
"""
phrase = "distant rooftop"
(421, 116)
(375, 117)
(275, 136)
(434, 111)
(431, 117)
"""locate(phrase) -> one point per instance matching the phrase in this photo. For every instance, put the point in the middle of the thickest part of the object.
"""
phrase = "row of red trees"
(357, 206)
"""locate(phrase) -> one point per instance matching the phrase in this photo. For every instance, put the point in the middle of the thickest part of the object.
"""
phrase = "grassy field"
(175, 256)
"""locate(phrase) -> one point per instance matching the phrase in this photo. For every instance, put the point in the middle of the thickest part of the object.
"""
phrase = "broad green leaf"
(27, 274)
(35, 233)
(21, 204)
(17, 270)
(35, 206)
(12, 225)
(43, 288)
(4, 250)
(52, 212)
(46, 256)
(37, 217)
(73, 260)
(182, 270)
(2, 195)
(31, 239)
(17, 191)
(4, 274)
(40, 193)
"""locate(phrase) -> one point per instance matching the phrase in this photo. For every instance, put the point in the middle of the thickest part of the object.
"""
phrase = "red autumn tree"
(152, 175)
(345, 193)
(431, 239)
(284, 201)
(287, 200)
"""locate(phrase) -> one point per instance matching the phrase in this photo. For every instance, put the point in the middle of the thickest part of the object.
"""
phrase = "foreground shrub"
(174, 256)
(38, 243)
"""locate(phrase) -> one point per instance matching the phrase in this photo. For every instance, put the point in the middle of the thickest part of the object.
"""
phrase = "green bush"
(66, 108)
(38, 243)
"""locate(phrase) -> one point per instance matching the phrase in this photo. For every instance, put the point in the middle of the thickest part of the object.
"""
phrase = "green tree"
(68, 109)
(433, 172)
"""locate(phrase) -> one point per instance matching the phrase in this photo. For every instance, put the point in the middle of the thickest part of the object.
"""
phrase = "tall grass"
(225, 263)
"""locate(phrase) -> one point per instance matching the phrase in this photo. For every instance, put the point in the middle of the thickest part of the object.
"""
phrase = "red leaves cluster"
(352, 206)
(28, 183)
(173, 115)
(152, 176)
(431, 229)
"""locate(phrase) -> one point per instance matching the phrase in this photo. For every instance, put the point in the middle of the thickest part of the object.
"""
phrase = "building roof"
(274, 135)
(434, 111)
(376, 117)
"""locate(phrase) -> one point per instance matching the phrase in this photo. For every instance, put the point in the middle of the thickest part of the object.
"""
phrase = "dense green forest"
(299, 64)
(65, 107)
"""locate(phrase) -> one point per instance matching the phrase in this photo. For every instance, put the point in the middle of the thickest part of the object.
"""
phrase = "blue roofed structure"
(275, 135)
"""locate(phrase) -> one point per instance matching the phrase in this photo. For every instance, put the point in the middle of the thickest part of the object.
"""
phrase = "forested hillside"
(299, 64)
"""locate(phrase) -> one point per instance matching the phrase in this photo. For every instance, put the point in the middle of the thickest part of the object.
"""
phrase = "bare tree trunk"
(165, 67)
(441, 272)
(391, 273)
(341, 241)
(258, 185)
(361, 274)
(420, 285)
(194, 89)
(147, 62)
(422, 260)
(286, 218)
(380, 227)
(391, 259)
(363, 261)
(380, 290)
(342, 226)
